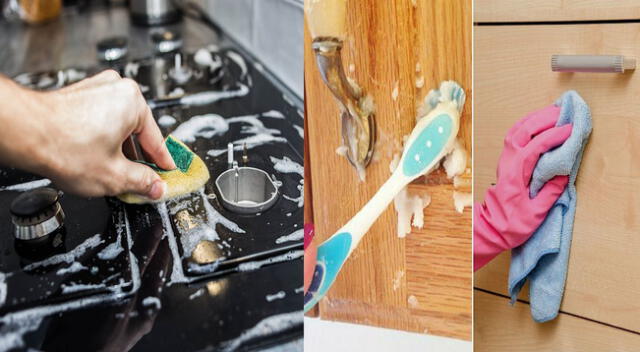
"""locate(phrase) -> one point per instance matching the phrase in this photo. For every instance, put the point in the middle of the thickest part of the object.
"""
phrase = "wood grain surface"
(554, 10)
(386, 41)
(513, 77)
(501, 327)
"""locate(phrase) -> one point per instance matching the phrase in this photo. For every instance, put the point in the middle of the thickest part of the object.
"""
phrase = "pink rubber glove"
(508, 216)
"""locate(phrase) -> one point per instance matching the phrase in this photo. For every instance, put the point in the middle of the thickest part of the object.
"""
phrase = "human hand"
(74, 136)
(509, 216)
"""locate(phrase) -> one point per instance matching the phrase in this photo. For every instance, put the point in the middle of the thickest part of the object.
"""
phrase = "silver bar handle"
(592, 63)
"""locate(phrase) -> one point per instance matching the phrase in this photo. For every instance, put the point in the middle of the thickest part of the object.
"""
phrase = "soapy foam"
(413, 301)
(273, 297)
(70, 256)
(166, 120)
(204, 58)
(295, 236)
(266, 327)
(397, 280)
(255, 265)
(196, 294)
(177, 275)
(73, 268)
(210, 97)
(152, 301)
(204, 126)
(27, 185)
(239, 60)
(286, 165)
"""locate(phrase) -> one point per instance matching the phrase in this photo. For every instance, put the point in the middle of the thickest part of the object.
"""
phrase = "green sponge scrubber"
(191, 174)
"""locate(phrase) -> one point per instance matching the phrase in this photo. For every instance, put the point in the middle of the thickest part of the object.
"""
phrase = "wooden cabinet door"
(555, 10)
(513, 77)
(394, 43)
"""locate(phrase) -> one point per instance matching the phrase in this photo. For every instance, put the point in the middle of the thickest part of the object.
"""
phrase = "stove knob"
(166, 41)
(36, 213)
(112, 49)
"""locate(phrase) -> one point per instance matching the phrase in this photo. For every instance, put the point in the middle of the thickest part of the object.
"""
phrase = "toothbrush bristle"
(448, 91)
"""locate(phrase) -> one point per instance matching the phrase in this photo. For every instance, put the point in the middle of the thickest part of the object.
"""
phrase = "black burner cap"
(34, 202)
(112, 43)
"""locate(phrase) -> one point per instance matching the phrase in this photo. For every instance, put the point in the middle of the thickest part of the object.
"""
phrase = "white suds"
(176, 92)
(408, 206)
(295, 236)
(27, 185)
(131, 69)
(342, 150)
(300, 130)
(210, 97)
(3, 288)
(205, 229)
(70, 256)
(196, 294)
(273, 297)
(250, 266)
(395, 92)
(114, 249)
(397, 280)
(152, 301)
(259, 134)
(166, 120)
(413, 301)
(73, 287)
(267, 327)
(177, 275)
(204, 58)
(352, 68)
(239, 60)
(286, 165)
(420, 82)
(462, 200)
(273, 114)
(73, 268)
(204, 126)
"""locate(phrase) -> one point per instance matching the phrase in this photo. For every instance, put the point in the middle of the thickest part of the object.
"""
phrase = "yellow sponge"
(191, 174)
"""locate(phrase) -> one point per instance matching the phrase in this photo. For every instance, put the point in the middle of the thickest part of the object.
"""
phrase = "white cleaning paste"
(295, 236)
(266, 327)
(166, 120)
(420, 82)
(273, 297)
(395, 92)
(408, 206)
(397, 280)
(413, 301)
(462, 200)
(455, 162)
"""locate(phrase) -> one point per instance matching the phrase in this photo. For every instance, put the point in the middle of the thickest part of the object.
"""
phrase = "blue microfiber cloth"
(544, 258)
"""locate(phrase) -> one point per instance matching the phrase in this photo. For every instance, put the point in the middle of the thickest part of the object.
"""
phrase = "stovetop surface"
(133, 276)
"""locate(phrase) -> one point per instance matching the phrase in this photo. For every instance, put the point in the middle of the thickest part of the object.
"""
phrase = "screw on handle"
(592, 63)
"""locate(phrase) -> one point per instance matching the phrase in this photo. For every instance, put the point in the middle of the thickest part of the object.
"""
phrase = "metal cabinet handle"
(592, 63)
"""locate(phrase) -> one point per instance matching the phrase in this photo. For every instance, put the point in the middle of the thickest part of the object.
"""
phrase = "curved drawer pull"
(592, 63)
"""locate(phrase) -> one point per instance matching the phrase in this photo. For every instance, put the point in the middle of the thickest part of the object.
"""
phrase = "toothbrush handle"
(364, 219)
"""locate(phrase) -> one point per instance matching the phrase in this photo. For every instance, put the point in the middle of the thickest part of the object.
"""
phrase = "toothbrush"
(430, 141)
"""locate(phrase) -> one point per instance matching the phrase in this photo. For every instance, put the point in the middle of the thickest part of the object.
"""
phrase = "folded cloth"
(544, 258)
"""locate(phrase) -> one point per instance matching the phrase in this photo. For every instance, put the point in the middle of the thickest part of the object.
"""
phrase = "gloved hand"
(74, 136)
(508, 216)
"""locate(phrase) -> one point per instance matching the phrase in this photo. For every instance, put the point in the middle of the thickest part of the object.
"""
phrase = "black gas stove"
(184, 275)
